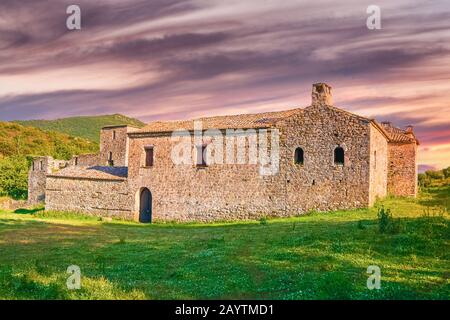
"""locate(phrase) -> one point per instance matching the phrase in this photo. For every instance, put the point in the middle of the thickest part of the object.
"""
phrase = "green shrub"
(386, 223)
(14, 177)
(434, 178)
(424, 180)
(435, 174)
(446, 172)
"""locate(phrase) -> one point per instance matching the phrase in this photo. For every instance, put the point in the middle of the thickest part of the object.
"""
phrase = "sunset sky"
(174, 59)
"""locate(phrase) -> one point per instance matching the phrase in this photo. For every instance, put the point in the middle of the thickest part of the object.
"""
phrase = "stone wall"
(185, 192)
(319, 183)
(114, 143)
(239, 191)
(402, 169)
(11, 204)
(85, 160)
(378, 165)
(40, 167)
(108, 198)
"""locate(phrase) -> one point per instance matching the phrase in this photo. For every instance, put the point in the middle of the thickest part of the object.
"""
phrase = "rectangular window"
(114, 134)
(42, 165)
(33, 165)
(76, 161)
(201, 156)
(149, 156)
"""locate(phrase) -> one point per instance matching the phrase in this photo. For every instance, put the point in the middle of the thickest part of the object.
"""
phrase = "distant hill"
(87, 127)
(17, 140)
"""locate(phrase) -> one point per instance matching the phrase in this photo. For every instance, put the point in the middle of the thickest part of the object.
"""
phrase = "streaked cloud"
(172, 59)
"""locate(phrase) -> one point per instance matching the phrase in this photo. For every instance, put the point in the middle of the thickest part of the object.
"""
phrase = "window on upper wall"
(201, 156)
(299, 156)
(33, 165)
(339, 156)
(148, 156)
(76, 161)
(42, 165)
(114, 134)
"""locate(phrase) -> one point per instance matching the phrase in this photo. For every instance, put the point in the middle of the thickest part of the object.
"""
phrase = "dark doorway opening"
(145, 207)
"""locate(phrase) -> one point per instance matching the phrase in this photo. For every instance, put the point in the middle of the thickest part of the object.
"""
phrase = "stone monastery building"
(328, 159)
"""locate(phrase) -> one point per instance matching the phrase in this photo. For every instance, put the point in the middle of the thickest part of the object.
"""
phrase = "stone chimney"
(321, 94)
(409, 129)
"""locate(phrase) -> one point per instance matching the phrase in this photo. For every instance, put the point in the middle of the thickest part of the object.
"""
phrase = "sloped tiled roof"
(93, 172)
(398, 135)
(264, 120)
(241, 121)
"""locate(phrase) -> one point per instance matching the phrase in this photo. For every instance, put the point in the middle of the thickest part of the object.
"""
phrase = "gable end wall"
(402, 169)
(378, 165)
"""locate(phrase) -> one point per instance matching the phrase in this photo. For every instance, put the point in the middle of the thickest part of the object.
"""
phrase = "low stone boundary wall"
(106, 198)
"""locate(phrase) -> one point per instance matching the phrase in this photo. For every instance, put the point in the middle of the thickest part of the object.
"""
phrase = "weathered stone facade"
(402, 161)
(347, 161)
(187, 192)
(402, 169)
(378, 164)
(100, 197)
(114, 145)
(320, 184)
(40, 168)
(85, 160)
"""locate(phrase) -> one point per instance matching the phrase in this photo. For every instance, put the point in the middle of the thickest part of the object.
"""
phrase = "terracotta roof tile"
(397, 135)
(262, 120)
(241, 121)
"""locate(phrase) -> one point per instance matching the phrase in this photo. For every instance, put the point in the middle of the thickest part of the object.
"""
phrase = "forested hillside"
(18, 144)
(87, 127)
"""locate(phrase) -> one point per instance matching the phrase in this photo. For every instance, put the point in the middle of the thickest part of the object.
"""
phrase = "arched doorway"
(145, 207)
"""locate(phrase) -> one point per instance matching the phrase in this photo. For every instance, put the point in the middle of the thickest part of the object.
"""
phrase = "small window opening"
(76, 161)
(299, 156)
(149, 156)
(110, 160)
(33, 166)
(42, 165)
(375, 158)
(201, 156)
(114, 135)
(339, 156)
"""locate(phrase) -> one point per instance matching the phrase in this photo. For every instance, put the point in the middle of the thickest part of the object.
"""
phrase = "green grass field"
(317, 256)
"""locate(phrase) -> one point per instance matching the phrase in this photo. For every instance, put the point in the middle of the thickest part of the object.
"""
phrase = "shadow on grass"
(23, 287)
(29, 211)
(439, 197)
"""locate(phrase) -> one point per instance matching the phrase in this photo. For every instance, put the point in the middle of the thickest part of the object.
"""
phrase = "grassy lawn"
(317, 256)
